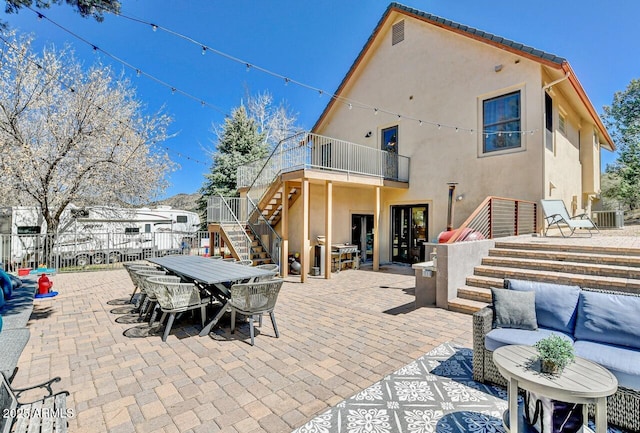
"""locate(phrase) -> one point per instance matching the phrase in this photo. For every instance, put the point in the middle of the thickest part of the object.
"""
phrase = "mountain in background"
(179, 201)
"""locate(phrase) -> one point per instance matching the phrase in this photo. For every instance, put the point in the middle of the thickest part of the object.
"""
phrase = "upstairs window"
(390, 139)
(562, 124)
(501, 122)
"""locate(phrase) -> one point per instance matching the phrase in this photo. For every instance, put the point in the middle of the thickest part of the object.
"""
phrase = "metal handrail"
(261, 228)
(236, 225)
(498, 217)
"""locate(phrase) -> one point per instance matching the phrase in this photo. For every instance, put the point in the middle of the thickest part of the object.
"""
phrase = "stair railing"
(230, 212)
(266, 235)
(498, 217)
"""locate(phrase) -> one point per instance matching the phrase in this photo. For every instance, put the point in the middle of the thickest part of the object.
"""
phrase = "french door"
(409, 228)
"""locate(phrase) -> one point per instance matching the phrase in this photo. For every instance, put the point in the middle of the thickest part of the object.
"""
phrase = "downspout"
(544, 129)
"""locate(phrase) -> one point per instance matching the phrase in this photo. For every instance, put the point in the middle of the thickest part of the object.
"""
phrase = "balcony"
(307, 151)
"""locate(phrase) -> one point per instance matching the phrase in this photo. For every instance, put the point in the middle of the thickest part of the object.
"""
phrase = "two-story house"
(427, 102)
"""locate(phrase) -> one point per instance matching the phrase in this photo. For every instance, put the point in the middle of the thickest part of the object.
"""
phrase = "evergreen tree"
(623, 120)
(239, 143)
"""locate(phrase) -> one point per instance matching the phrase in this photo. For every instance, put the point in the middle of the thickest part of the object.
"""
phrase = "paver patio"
(337, 337)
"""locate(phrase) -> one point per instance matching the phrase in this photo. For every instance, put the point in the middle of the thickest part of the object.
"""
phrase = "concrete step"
(593, 281)
(568, 247)
(479, 294)
(484, 282)
(562, 256)
(561, 266)
(466, 306)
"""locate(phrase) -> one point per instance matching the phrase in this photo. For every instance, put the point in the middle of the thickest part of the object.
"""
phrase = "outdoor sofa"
(604, 327)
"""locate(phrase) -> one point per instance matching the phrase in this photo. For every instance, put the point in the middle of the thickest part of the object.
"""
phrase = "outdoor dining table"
(212, 276)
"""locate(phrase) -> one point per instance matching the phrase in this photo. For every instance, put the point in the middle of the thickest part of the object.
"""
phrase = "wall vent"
(397, 32)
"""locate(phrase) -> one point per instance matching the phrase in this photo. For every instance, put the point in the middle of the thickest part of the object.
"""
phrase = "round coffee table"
(582, 382)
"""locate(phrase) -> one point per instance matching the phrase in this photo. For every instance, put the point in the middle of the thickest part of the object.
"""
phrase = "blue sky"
(314, 43)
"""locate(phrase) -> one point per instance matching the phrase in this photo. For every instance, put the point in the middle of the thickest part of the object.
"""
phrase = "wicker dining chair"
(140, 275)
(245, 262)
(175, 298)
(152, 286)
(130, 267)
(271, 267)
(254, 299)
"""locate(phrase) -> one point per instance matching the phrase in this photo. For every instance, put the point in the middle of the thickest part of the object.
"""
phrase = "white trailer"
(97, 235)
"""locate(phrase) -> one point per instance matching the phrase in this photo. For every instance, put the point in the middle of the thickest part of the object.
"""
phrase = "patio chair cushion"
(514, 309)
(503, 337)
(555, 303)
(623, 362)
(609, 318)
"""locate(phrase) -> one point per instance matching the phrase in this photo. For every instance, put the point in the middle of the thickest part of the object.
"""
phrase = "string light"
(139, 72)
(420, 123)
(98, 107)
(350, 106)
(248, 65)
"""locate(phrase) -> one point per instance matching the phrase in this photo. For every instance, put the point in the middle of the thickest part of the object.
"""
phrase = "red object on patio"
(23, 271)
(44, 285)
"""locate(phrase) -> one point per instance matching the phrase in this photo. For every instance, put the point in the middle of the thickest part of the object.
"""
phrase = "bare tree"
(274, 122)
(73, 136)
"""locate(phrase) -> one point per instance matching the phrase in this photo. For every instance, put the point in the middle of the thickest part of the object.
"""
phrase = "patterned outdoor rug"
(435, 393)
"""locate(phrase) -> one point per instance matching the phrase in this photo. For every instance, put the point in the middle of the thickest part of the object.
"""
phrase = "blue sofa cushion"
(623, 362)
(504, 336)
(609, 318)
(555, 303)
(514, 309)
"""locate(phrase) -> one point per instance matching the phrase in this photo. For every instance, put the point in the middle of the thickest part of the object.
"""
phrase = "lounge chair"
(556, 214)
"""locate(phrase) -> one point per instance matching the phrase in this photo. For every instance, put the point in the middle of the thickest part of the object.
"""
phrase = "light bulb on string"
(350, 106)
(248, 67)
(138, 72)
(204, 50)
(173, 90)
(399, 117)
(40, 17)
(375, 111)
(439, 126)
(320, 93)
(456, 129)
(202, 103)
(420, 122)
(154, 27)
(286, 81)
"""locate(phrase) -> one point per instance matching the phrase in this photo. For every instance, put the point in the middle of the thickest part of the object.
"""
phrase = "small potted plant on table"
(555, 353)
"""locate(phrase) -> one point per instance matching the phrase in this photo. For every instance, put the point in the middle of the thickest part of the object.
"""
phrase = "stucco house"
(426, 102)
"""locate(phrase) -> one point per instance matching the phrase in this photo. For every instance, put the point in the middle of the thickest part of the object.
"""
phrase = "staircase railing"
(267, 236)
(498, 217)
(308, 150)
(228, 213)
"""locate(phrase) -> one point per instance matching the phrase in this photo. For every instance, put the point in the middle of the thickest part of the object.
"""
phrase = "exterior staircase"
(586, 266)
(258, 255)
(271, 205)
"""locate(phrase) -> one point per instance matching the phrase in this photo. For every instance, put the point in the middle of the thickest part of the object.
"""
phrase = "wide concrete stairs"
(586, 266)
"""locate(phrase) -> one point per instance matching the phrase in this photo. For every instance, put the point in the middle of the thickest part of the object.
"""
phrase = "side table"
(582, 382)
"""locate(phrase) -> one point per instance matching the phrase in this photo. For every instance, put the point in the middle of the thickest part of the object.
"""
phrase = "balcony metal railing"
(498, 217)
(313, 151)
